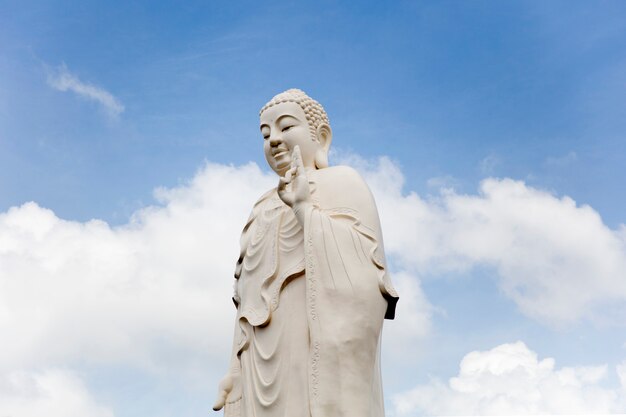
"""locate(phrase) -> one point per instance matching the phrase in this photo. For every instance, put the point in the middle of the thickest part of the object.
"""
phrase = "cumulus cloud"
(61, 79)
(510, 380)
(155, 289)
(154, 294)
(52, 393)
(557, 260)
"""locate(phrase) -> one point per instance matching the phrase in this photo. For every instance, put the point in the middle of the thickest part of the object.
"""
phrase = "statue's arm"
(347, 294)
(354, 194)
(347, 229)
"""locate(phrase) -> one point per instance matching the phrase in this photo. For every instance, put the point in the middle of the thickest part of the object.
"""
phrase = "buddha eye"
(286, 128)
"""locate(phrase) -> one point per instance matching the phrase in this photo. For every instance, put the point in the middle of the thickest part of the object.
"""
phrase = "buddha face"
(283, 127)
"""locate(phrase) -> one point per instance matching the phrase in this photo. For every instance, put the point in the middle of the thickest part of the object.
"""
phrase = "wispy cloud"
(61, 79)
(441, 182)
(561, 161)
(489, 163)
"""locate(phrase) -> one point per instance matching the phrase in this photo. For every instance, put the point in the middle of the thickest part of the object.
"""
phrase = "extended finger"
(297, 156)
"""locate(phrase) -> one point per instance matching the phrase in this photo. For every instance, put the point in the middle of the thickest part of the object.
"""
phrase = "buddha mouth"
(279, 153)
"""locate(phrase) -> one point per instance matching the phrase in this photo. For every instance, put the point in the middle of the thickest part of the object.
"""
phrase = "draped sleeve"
(348, 295)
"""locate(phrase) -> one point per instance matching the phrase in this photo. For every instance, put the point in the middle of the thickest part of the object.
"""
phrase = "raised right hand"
(293, 188)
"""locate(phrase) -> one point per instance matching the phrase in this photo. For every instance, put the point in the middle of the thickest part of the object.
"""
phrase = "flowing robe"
(311, 300)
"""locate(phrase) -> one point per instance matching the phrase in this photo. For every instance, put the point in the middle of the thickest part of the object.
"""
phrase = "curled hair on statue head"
(314, 112)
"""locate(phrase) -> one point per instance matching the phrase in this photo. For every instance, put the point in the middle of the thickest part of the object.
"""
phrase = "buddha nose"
(275, 141)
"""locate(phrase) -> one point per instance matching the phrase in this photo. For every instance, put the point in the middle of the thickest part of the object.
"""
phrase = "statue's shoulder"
(341, 170)
(261, 204)
(343, 186)
(269, 194)
(342, 177)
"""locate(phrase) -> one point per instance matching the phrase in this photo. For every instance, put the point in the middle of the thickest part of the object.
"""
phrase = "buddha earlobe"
(325, 137)
(321, 159)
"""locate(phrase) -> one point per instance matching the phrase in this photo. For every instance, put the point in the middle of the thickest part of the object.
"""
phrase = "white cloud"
(621, 373)
(510, 380)
(150, 293)
(61, 79)
(154, 293)
(52, 393)
(555, 259)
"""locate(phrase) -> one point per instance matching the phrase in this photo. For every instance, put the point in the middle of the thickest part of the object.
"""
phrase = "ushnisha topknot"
(314, 112)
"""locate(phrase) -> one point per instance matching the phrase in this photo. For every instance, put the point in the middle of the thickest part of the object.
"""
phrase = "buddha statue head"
(291, 119)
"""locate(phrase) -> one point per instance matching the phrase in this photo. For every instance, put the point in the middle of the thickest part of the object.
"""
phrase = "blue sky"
(530, 94)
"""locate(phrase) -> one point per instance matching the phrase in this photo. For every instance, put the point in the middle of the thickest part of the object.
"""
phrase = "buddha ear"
(324, 137)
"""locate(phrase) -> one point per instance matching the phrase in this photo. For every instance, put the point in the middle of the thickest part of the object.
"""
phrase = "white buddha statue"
(311, 286)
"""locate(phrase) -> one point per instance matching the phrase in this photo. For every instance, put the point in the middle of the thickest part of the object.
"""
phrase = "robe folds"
(311, 300)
